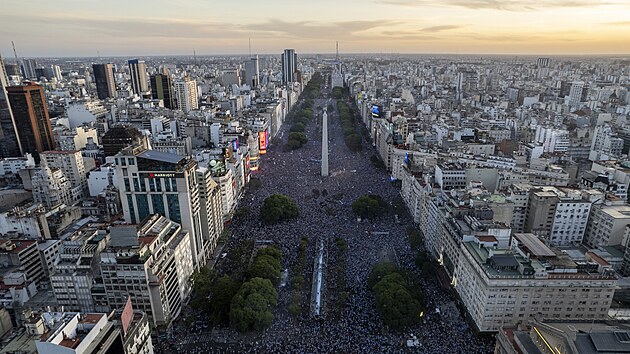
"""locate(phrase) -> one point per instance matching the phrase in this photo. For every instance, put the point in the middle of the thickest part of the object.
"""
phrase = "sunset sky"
(136, 28)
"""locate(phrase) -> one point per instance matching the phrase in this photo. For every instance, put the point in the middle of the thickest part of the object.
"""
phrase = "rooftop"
(161, 156)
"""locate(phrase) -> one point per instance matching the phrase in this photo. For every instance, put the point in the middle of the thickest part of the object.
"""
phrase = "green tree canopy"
(253, 304)
(398, 305)
(369, 206)
(277, 208)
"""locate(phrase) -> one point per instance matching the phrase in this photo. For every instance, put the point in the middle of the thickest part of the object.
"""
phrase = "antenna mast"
(249, 42)
(337, 56)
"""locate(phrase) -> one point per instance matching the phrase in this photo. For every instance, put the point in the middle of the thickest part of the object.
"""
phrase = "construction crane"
(17, 61)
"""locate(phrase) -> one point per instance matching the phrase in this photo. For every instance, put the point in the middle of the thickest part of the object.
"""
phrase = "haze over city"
(174, 27)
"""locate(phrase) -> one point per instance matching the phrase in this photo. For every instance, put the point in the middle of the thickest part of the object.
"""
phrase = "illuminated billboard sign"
(262, 142)
(376, 111)
(235, 145)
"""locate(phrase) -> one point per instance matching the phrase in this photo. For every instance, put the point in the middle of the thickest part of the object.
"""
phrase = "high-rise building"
(73, 270)
(30, 112)
(252, 70)
(211, 210)
(9, 142)
(105, 83)
(162, 88)
(289, 65)
(576, 93)
(138, 73)
(153, 182)
(186, 95)
(29, 67)
(150, 264)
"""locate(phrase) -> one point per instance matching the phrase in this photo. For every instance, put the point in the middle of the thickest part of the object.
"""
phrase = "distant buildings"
(186, 94)
(162, 89)
(289, 66)
(138, 74)
(252, 76)
(105, 83)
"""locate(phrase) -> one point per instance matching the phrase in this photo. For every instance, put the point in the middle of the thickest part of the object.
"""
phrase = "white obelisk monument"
(324, 144)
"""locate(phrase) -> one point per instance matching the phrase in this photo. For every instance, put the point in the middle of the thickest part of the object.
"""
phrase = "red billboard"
(262, 142)
(126, 316)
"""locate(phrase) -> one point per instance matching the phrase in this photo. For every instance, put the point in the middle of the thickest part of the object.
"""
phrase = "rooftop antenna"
(249, 42)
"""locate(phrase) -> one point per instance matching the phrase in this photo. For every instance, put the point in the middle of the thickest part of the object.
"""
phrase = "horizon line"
(9, 58)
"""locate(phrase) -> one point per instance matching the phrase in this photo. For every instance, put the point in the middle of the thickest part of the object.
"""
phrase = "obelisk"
(324, 144)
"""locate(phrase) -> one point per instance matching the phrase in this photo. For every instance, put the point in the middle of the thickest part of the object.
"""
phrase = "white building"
(152, 265)
(76, 138)
(76, 333)
(52, 188)
(99, 180)
(211, 210)
(607, 224)
(72, 165)
(570, 218)
(29, 222)
(84, 112)
(186, 94)
(15, 164)
(553, 140)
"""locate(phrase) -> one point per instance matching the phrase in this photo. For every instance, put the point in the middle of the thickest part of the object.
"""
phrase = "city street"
(357, 328)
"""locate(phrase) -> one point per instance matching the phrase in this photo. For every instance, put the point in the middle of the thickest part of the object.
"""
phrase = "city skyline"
(549, 27)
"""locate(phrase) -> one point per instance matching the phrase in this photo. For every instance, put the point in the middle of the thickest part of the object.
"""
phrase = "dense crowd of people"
(327, 214)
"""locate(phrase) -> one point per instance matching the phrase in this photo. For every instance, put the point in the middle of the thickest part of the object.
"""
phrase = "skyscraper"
(104, 77)
(252, 72)
(289, 65)
(162, 88)
(28, 69)
(9, 142)
(138, 72)
(32, 122)
(186, 95)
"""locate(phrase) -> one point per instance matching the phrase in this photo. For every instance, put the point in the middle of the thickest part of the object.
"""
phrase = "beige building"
(500, 287)
(607, 224)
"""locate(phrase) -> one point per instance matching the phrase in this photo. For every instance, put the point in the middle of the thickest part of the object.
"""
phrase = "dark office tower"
(9, 143)
(252, 72)
(32, 122)
(28, 69)
(162, 88)
(289, 65)
(118, 138)
(138, 72)
(104, 77)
